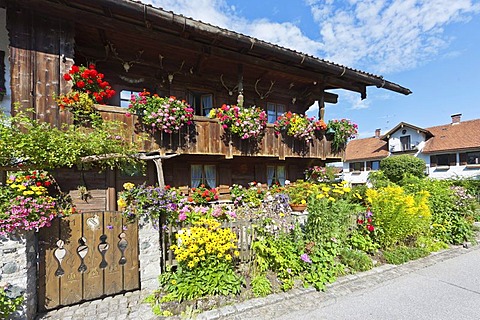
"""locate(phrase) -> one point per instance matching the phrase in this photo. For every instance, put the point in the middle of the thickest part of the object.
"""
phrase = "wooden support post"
(321, 107)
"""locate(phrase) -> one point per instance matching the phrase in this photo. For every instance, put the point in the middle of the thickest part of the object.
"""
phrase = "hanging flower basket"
(299, 126)
(166, 114)
(247, 123)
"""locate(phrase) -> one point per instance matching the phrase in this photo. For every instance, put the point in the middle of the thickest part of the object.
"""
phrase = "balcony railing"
(207, 137)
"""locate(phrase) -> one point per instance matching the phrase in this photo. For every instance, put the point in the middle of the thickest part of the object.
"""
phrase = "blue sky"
(431, 47)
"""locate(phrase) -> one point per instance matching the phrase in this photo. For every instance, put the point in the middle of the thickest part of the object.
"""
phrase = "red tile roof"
(464, 135)
(369, 148)
(460, 136)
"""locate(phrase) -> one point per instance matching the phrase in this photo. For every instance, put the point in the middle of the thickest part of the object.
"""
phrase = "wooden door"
(86, 256)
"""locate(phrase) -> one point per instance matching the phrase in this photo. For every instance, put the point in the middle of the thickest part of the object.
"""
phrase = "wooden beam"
(154, 35)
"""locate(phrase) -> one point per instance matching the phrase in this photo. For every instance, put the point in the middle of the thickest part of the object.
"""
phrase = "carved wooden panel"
(87, 256)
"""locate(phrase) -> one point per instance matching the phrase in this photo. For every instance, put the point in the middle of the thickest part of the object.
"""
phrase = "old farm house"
(138, 46)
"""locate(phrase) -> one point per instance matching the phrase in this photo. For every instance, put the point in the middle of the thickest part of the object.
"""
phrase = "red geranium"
(90, 81)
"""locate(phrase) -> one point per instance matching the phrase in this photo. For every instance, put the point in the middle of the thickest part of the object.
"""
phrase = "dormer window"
(405, 143)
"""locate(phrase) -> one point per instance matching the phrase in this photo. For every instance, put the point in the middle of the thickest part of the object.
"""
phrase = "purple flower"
(305, 258)
(368, 214)
(109, 227)
(182, 216)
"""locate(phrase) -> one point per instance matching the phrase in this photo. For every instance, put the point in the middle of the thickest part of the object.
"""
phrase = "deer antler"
(266, 94)
(179, 71)
(126, 64)
(230, 91)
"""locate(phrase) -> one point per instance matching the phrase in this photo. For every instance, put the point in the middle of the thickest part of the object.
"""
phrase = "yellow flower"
(128, 186)
(236, 253)
(121, 203)
(228, 257)
(174, 282)
(191, 264)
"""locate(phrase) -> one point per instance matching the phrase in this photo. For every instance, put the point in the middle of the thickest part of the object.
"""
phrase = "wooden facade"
(141, 47)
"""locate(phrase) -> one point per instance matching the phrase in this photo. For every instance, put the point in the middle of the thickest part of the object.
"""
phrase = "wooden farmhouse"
(139, 47)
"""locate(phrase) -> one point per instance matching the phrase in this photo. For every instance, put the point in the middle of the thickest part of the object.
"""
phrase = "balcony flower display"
(166, 114)
(247, 123)
(203, 195)
(88, 87)
(298, 126)
(342, 130)
(318, 174)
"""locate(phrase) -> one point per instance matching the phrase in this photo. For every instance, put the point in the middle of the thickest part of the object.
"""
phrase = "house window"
(356, 166)
(276, 175)
(274, 111)
(448, 159)
(201, 102)
(473, 157)
(125, 96)
(203, 174)
(405, 142)
(375, 165)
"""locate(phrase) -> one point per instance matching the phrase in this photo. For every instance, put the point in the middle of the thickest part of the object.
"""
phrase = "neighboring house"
(450, 151)
(138, 46)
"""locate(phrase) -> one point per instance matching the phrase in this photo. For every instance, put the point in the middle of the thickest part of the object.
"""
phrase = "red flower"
(47, 183)
(67, 77)
(80, 84)
(359, 221)
(38, 184)
(370, 228)
(74, 69)
(91, 66)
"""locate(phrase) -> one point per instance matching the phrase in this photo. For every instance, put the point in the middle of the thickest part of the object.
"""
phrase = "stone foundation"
(18, 271)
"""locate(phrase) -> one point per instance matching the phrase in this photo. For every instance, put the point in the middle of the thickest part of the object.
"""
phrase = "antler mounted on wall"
(230, 91)
(266, 94)
(179, 71)
(126, 64)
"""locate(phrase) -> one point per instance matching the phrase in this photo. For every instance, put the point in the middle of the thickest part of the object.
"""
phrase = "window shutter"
(463, 159)
(433, 161)
(362, 166)
(452, 159)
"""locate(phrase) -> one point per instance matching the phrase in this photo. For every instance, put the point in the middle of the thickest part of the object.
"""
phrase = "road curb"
(344, 285)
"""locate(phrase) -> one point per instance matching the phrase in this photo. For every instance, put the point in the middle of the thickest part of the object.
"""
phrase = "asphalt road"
(447, 290)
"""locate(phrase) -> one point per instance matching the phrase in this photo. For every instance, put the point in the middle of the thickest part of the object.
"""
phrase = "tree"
(396, 167)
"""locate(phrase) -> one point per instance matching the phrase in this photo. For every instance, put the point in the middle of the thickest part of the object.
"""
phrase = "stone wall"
(149, 255)
(18, 270)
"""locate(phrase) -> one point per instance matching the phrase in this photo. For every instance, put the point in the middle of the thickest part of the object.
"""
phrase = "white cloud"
(387, 35)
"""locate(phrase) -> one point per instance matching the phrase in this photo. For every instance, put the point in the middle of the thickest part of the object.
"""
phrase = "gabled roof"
(148, 20)
(463, 135)
(403, 125)
(366, 149)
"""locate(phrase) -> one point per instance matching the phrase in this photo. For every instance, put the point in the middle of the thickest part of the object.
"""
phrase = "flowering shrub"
(203, 195)
(399, 217)
(319, 174)
(204, 253)
(298, 126)
(300, 191)
(88, 87)
(247, 123)
(26, 203)
(251, 196)
(150, 202)
(343, 130)
(166, 114)
(205, 241)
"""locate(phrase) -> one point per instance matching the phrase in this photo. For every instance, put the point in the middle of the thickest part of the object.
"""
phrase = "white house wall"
(417, 139)
(5, 103)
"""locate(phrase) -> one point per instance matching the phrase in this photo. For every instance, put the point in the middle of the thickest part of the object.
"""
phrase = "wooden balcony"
(207, 137)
